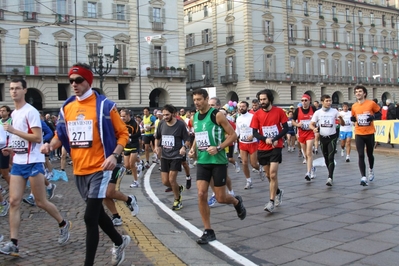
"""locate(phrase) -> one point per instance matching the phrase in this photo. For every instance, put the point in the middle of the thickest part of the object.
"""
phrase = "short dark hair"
(255, 101)
(218, 103)
(345, 103)
(170, 108)
(268, 93)
(357, 87)
(202, 92)
(147, 108)
(324, 96)
(316, 102)
(126, 111)
(23, 82)
(8, 109)
(246, 103)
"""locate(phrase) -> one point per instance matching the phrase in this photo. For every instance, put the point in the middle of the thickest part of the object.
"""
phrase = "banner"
(382, 130)
(395, 132)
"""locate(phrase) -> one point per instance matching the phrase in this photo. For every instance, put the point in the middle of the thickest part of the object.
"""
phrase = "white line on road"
(216, 244)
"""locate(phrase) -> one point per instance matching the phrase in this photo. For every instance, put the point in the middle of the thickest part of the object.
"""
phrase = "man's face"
(188, 115)
(125, 117)
(200, 102)
(79, 85)
(212, 103)
(146, 112)
(305, 103)
(159, 116)
(48, 116)
(315, 103)
(345, 108)
(17, 92)
(3, 113)
(327, 103)
(182, 112)
(167, 116)
(264, 101)
(242, 107)
(255, 106)
(359, 94)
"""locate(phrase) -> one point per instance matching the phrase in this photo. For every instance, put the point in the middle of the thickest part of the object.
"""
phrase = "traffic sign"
(149, 39)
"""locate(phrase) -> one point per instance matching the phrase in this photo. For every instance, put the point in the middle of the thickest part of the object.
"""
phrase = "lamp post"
(99, 68)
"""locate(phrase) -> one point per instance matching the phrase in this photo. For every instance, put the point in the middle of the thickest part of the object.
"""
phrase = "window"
(91, 10)
(230, 65)
(267, 3)
(268, 30)
(157, 56)
(349, 67)
(372, 18)
(156, 15)
(207, 70)
(206, 36)
(336, 67)
(31, 53)
(229, 5)
(191, 72)
(269, 64)
(361, 69)
(289, 5)
(348, 37)
(190, 16)
(93, 50)
(347, 14)
(230, 29)
(120, 12)
(190, 40)
(205, 11)
(384, 23)
(323, 71)
(29, 6)
(322, 34)
(308, 66)
(335, 35)
(373, 68)
(305, 8)
(372, 40)
(386, 71)
(384, 42)
(360, 14)
(122, 61)
(361, 39)
(63, 57)
(334, 11)
(307, 33)
(320, 10)
(61, 7)
(292, 62)
(291, 33)
(392, 22)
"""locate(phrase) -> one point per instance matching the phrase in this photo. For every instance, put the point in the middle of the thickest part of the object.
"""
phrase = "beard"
(243, 112)
(265, 105)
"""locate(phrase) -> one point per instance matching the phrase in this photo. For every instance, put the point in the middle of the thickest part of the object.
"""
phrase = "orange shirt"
(89, 160)
(361, 111)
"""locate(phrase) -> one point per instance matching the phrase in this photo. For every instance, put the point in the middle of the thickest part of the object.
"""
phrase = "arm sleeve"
(257, 134)
(282, 133)
(295, 117)
(136, 134)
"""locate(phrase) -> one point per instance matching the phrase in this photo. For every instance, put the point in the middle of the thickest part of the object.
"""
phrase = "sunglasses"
(304, 100)
(78, 80)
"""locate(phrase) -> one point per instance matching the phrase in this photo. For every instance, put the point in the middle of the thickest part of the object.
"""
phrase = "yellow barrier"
(385, 130)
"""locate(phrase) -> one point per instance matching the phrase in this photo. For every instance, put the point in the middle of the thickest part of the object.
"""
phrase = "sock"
(188, 177)
(14, 241)
(49, 186)
(278, 191)
(272, 201)
(63, 170)
(249, 180)
(32, 195)
(129, 200)
(116, 215)
(62, 224)
(231, 192)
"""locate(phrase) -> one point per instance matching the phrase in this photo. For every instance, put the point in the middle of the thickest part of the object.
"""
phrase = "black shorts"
(168, 165)
(216, 171)
(231, 151)
(134, 148)
(4, 161)
(113, 176)
(271, 156)
(149, 138)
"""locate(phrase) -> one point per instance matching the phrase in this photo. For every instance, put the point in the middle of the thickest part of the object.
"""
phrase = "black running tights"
(328, 146)
(361, 142)
(95, 216)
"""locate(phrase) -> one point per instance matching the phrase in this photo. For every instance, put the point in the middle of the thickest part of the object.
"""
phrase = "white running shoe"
(329, 182)
(342, 153)
(238, 168)
(304, 161)
(313, 173)
(248, 185)
(371, 175)
(348, 159)
(363, 181)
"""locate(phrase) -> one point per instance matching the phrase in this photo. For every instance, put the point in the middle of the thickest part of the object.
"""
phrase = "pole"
(76, 35)
(138, 44)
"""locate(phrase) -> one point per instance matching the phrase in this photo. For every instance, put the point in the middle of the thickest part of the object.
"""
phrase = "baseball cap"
(292, 106)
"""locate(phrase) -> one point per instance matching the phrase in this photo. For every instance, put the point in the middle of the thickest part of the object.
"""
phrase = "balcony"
(322, 44)
(30, 16)
(386, 51)
(374, 50)
(362, 48)
(168, 74)
(197, 84)
(291, 40)
(349, 46)
(269, 38)
(337, 45)
(229, 40)
(229, 79)
(62, 19)
(158, 26)
(1, 14)
(308, 42)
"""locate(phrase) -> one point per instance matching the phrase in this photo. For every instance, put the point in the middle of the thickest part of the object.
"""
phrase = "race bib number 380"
(19, 145)
(80, 133)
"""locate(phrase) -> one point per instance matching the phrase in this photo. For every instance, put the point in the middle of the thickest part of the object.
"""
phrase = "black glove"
(353, 119)
(370, 118)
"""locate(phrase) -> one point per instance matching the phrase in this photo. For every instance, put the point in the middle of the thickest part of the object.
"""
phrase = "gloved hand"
(353, 119)
(370, 118)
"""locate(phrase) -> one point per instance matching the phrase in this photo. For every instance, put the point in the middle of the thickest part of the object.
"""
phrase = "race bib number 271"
(80, 133)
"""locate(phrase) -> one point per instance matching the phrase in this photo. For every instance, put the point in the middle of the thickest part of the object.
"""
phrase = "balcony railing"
(269, 38)
(228, 79)
(30, 16)
(157, 26)
(229, 40)
(337, 45)
(349, 46)
(62, 19)
(322, 44)
(196, 84)
(156, 73)
(308, 42)
(291, 40)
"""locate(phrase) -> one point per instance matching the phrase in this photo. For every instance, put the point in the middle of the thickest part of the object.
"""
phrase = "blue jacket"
(47, 133)
(105, 127)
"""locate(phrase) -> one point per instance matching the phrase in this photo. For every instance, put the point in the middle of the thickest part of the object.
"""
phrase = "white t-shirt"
(243, 129)
(25, 151)
(326, 120)
(348, 123)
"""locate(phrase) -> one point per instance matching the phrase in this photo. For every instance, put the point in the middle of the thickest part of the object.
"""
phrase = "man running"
(93, 133)
(170, 135)
(269, 125)
(345, 132)
(28, 164)
(325, 117)
(210, 127)
(148, 136)
(363, 115)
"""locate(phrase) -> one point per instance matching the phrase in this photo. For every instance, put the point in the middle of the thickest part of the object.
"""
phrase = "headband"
(306, 96)
(84, 72)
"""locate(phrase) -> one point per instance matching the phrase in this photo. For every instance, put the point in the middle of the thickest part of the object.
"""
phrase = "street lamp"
(99, 68)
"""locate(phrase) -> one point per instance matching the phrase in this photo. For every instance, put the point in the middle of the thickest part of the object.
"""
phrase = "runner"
(269, 125)
(363, 115)
(28, 164)
(169, 138)
(210, 127)
(291, 136)
(325, 117)
(148, 136)
(345, 132)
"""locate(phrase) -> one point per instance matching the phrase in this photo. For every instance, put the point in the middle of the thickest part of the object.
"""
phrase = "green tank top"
(208, 134)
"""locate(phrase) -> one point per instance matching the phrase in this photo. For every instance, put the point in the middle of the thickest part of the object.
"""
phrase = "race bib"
(80, 133)
(245, 134)
(202, 140)
(325, 122)
(362, 120)
(168, 141)
(19, 145)
(270, 131)
(305, 124)
(347, 122)
(289, 123)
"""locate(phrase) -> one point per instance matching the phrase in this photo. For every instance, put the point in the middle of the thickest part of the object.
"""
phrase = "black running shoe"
(241, 211)
(209, 235)
(307, 178)
(188, 182)
(168, 189)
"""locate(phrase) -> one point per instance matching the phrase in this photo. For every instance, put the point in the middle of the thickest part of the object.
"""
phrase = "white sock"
(49, 186)
(231, 192)
(249, 180)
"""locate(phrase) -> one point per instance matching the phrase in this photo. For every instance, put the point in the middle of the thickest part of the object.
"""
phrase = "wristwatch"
(218, 148)
(116, 155)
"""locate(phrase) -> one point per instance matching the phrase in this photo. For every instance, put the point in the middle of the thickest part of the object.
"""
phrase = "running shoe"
(248, 185)
(255, 170)
(348, 159)
(147, 165)
(269, 207)
(51, 191)
(371, 175)
(195, 162)
(118, 252)
(279, 198)
(4, 209)
(307, 177)
(316, 151)
(135, 184)
(342, 153)
(3, 191)
(329, 182)
(121, 172)
(313, 173)
(363, 181)
(10, 249)
(177, 204)
(240, 209)
(117, 221)
(238, 168)
(128, 172)
(262, 174)
(190, 165)
(140, 174)
(1, 238)
(304, 161)
(133, 206)
(207, 236)
(188, 182)
(168, 189)
(64, 233)
(30, 200)
(212, 201)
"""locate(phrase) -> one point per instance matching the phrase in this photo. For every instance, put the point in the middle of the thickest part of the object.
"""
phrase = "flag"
(31, 70)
